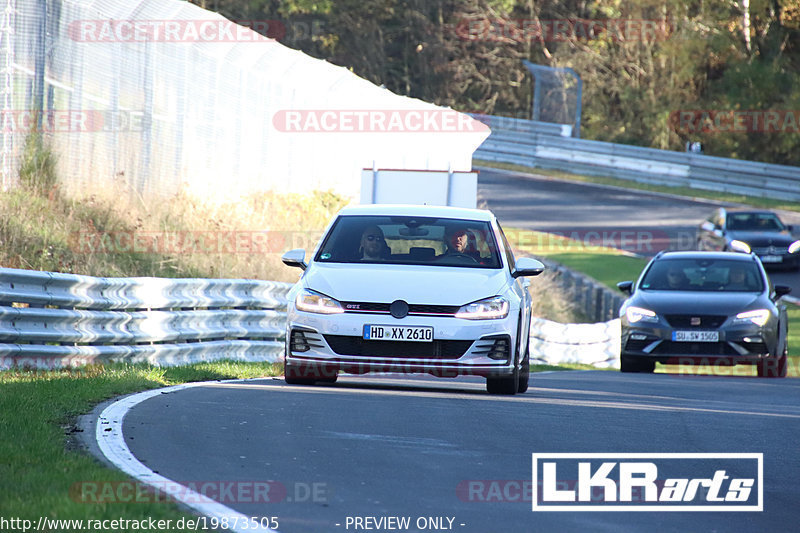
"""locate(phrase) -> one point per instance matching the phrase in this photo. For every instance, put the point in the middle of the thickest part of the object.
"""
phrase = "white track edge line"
(111, 441)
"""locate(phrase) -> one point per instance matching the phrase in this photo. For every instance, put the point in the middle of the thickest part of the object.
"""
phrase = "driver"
(456, 240)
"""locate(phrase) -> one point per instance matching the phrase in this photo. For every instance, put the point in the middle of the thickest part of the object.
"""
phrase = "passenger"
(373, 245)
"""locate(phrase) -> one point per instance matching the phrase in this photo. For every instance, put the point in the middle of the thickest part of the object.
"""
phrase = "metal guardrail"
(533, 145)
(509, 124)
(53, 320)
(50, 320)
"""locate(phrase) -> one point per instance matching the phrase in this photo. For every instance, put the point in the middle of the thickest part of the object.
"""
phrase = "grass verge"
(116, 232)
(565, 366)
(609, 266)
(689, 192)
(38, 465)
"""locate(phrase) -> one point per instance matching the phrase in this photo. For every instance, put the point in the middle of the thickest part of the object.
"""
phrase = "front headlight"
(640, 314)
(758, 317)
(794, 247)
(488, 308)
(315, 302)
(740, 246)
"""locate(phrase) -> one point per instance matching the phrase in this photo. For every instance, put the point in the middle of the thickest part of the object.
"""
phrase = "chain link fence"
(160, 95)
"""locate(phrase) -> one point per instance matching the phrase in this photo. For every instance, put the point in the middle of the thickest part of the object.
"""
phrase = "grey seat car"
(715, 308)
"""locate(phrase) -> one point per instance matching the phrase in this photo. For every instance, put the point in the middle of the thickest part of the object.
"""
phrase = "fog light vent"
(303, 340)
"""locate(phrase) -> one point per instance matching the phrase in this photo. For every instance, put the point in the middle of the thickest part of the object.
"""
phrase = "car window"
(754, 222)
(703, 275)
(410, 240)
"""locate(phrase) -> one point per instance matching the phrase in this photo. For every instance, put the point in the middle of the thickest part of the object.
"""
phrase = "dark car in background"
(715, 308)
(746, 230)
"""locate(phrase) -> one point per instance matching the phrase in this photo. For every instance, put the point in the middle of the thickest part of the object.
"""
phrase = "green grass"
(39, 466)
(565, 366)
(606, 265)
(765, 203)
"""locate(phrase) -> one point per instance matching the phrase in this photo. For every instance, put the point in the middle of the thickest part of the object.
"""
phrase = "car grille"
(694, 348)
(771, 250)
(685, 321)
(413, 309)
(438, 349)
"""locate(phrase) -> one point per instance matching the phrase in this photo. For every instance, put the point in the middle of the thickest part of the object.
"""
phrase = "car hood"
(414, 284)
(696, 302)
(762, 238)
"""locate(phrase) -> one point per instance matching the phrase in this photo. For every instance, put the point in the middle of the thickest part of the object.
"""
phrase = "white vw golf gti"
(411, 289)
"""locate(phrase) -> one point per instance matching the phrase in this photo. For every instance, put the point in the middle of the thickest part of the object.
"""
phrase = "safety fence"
(530, 144)
(54, 320)
(154, 97)
(592, 344)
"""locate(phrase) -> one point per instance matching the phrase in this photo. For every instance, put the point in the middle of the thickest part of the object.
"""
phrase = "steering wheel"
(459, 256)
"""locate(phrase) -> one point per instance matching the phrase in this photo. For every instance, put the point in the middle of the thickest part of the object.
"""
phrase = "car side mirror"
(789, 228)
(295, 258)
(625, 286)
(781, 291)
(527, 266)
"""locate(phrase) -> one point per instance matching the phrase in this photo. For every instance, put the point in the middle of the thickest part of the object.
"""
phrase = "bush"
(38, 165)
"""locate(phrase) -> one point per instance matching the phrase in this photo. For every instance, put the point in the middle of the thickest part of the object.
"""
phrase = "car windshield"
(703, 275)
(754, 222)
(410, 240)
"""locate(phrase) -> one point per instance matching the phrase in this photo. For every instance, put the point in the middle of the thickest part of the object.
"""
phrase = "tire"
(633, 365)
(774, 367)
(525, 372)
(503, 384)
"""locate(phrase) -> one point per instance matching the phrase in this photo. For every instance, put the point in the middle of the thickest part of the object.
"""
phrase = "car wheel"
(630, 364)
(525, 372)
(773, 367)
(503, 384)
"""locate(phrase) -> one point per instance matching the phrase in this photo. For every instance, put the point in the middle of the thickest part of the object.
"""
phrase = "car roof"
(695, 254)
(734, 210)
(418, 210)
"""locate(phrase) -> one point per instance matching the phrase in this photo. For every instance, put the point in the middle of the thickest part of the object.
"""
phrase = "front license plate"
(377, 332)
(695, 336)
(771, 259)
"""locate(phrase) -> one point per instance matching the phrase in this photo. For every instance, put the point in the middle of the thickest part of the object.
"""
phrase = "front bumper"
(783, 259)
(332, 343)
(740, 344)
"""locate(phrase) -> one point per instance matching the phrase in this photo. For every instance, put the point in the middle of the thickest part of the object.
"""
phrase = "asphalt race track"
(428, 448)
(640, 222)
(447, 456)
